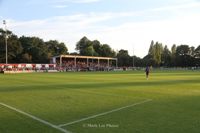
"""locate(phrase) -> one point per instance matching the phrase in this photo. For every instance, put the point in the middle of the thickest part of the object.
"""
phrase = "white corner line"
(104, 113)
(35, 118)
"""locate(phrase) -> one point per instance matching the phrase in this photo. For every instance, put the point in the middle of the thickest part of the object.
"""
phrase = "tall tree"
(106, 51)
(26, 56)
(55, 48)
(197, 56)
(192, 51)
(83, 46)
(35, 50)
(157, 53)
(197, 52)
(2, 46)
(14, 47)
(123, 58)
(87, 47)
(97, 47)
(183, 57)
(173, 55)
(151, 49)
(166, 56)
(149, 58)
(183, 50)
(138, 62)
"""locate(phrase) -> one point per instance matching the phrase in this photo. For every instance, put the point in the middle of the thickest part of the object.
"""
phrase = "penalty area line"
(104, 113)
(34, 117)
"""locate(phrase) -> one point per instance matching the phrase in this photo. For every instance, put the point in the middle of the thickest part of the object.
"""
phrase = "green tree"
(123, 58)
(183, 57)
(55, 48)
(149, 58)
(14, 49)
(158, 49)
(106, 51)
(166, 56)
(13, 46)
(26, 43)
(35, 50)
(138, 62)
(82, 46)
(151, 49)
(97, 48)
(173, 55)
(197, 56)
(89, 50)
(197, 52)
(2, 46)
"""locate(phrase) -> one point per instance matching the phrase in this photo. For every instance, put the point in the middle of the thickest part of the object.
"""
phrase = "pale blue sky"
(123, 24)
(41, 9)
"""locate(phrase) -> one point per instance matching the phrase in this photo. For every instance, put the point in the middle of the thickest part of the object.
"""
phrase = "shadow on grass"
(101, 85)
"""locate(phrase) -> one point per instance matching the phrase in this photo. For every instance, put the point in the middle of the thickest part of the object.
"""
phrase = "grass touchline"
(104, 113)
(35, 118)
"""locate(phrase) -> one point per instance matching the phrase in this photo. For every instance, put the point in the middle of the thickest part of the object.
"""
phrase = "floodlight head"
(4, 21)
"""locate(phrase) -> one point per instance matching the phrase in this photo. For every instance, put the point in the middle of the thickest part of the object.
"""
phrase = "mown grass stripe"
(35, 118)
(104, 113)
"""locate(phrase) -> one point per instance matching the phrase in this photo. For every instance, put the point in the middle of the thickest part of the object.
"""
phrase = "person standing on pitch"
(147, 72)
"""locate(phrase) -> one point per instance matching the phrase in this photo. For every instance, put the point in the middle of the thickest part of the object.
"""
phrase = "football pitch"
(100, 102)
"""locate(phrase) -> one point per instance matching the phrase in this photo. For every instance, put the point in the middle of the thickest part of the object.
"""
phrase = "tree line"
(177, 56)
(35, 50)
(29, 49)
(158, 55)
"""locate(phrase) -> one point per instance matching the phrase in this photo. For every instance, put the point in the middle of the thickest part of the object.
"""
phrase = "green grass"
(65, 97)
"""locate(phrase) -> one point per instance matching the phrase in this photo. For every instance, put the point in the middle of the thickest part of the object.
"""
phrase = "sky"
(122, 24)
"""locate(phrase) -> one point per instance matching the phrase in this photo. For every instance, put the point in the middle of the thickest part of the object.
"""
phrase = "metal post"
(98, 63)
(4, 22)
(60, 61)
(92, 59)
(87, 62)
(75, 62)
(133, 58)
(108, 64)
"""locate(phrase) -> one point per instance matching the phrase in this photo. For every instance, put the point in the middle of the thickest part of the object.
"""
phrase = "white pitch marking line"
(104, 113)
(35, 118)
